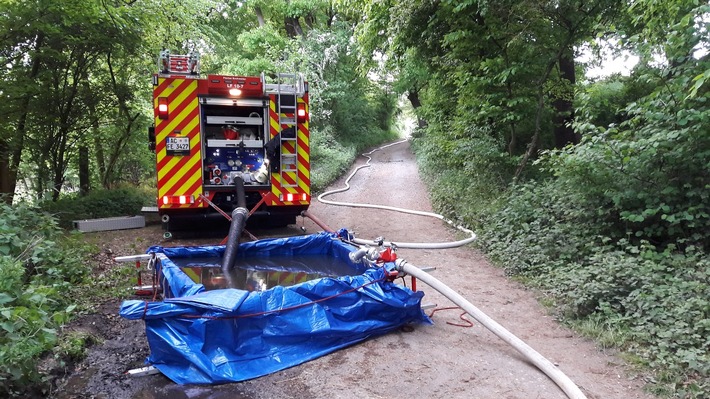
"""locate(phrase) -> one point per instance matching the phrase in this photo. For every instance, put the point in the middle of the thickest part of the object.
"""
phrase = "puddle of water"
(169, 390)
(259, 274)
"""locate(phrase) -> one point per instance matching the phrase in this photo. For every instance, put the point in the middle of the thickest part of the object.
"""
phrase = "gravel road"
(439, 361)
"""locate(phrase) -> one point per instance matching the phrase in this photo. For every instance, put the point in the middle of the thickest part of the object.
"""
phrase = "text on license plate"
(178, 144)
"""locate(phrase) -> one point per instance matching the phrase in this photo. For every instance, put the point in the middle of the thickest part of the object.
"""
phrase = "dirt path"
(439, 361)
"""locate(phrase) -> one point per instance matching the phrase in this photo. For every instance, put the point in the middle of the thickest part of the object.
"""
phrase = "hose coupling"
(399, 264)
(369, 253)
(243, 211)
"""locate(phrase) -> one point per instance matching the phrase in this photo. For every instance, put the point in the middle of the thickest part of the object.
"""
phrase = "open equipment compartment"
(234, 144)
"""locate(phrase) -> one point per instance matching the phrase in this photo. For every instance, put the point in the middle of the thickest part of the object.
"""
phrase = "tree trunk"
(413, 96)
(123, 139)
(563, 105)
(11, 155)
(310, 20)
(98, 147)
(120, 146)
(259, 16)
(293, 27)
(331, 15)
(59, 158)
(38, 185)
(513, 142)
(100, 156)
(57, 181)
(7, 185)
(76, 72)
(84, 180)
(532, 147)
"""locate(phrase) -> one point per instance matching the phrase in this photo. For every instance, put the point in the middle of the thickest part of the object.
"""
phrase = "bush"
(38, 267)
(615, 229)
(653, 299)
(98, 204)
(659, 298)
(329, 158)
(458, 165)
(651, 170)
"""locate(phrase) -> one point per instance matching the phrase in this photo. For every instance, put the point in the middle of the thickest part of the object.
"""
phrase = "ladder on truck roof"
(179, 64)
(288, 88)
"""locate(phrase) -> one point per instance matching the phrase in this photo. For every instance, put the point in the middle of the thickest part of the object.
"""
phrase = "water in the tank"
(259, 274)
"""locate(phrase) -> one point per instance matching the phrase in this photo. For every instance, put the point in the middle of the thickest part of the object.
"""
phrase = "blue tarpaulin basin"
(198, 336)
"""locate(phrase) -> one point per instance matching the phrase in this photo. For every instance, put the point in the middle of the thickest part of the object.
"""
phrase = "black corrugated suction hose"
(241, 196)
(239, 220)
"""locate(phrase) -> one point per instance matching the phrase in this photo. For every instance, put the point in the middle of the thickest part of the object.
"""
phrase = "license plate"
(177, 145)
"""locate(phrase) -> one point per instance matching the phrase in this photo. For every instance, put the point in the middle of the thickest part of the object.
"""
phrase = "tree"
(511, 63)
(21, 44)
(67, 75)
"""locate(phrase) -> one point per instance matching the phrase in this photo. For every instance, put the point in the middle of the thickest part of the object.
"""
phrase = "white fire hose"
(547, 367)
(411, 245)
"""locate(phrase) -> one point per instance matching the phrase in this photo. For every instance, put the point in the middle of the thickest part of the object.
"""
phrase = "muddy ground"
(439, 361)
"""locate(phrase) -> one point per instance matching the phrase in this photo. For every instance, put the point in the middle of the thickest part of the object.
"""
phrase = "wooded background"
(594, 190)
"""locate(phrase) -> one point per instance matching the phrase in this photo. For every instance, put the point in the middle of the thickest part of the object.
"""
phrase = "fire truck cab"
(212, 133)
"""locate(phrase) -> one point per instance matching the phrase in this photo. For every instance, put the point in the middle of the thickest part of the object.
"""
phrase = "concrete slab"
(114, 223)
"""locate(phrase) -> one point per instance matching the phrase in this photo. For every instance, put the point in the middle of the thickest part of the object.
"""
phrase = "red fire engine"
(210, 132)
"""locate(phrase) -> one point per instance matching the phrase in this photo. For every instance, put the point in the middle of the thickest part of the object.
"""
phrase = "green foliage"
(116, 282)
(650, 172)
(536, 228)
(38, 267)
(69, 87)
(341, 97)
(72, 345)
(258, 51)
(659, 299)
(615, 229)
(619, 236)
(497, 66)
(603, 103)
(329, 158)
(463, 165)
(652, 301)
(98, 204)
(349, 112)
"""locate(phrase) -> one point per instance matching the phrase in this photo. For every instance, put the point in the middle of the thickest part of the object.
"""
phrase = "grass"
(606, 334)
